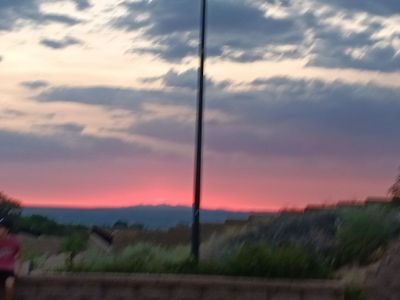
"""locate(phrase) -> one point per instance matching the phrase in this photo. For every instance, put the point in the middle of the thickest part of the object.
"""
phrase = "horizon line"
(145, 205)
(244, 210)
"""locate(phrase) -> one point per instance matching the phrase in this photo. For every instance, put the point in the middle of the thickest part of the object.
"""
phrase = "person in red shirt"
(10, 249)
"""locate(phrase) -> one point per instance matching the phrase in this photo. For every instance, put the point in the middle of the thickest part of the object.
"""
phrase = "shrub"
(141, 258)
(73, 245)
(276, 262)
(38, 225)
(246, 260)
(362, 232)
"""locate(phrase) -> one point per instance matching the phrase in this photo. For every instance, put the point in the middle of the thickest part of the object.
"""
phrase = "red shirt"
(9, 248)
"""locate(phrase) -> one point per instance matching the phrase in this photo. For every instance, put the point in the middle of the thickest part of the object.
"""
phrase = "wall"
(171, 287)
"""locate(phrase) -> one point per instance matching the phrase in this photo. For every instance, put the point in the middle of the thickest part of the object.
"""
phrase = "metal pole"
(199, 137)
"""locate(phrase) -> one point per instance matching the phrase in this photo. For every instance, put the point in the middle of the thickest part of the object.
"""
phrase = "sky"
(98, 99)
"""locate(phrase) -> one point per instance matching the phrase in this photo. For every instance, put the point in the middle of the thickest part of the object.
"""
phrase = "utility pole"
(199, 137)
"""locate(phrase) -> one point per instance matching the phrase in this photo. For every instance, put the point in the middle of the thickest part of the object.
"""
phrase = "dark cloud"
(60, 44)
(82, 4)
(187, 79)
(116, 97)
(57, 18)
(338, 48)
(173, 26)
(311, 118)
(68, 145)
(11, 12)
(383, 58)
(34, 85)
(241, 31)
(279, 117)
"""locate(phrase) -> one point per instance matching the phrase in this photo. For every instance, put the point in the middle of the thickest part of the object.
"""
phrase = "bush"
(141, 258)
(362, 232)
(74, 244)
(275, 262)
(38, 225)
(247, 260)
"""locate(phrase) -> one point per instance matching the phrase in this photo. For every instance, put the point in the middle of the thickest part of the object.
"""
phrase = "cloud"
(60, 44)
(382, 7)
(383, 58)
(187, 79)
(69, 144)
(310, 118)
(103, 95)
(13, 12)
(173, 27)
(344, 34)
(175, 104)
(273, 117)
(317, 138)
(82, 4)
(57, 18)
(346, 40)
(34, 85)
(328, 34)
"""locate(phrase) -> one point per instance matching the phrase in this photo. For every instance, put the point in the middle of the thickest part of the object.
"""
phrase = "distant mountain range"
(155, 217)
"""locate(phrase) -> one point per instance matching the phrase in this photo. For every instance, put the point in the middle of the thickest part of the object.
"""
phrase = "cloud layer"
(301, 100)
(341, 34)
(14, 13)
(273, 117)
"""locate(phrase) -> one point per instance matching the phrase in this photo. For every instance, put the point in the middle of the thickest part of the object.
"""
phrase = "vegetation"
(35, 224)
(120, 224)
(9, 207)
(73, 245)
(394, 191)
(297, 249)
(302, 245)
(362, 232)
(261, 260)
(246, 260)
(143, 258)
(31, 258)
(38, 225)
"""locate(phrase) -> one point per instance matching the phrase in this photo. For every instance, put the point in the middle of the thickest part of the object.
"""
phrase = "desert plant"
(287, 261)
(141, 258)
(363, 231)
(73, 245)
(246, 260)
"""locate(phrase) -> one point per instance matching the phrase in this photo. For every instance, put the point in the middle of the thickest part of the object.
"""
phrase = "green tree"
(74, 244)
(9, 207)
(120, 225)
(37, 225)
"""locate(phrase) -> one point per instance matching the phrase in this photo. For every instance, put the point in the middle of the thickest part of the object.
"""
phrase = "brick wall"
(170, 287)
